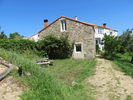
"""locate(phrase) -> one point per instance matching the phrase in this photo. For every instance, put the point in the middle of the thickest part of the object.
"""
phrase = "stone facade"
(76, 31)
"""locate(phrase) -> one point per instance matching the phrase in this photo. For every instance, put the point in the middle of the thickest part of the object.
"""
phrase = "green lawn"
(63, 81)
(70, 70)
(73, 73)
(123, 61)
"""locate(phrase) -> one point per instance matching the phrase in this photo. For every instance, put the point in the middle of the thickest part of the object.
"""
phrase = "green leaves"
(17, 45)
(112, 44)
(50, 46)
(97, 48)
(127, 41)
(2, 35)
(54, 46)
(15, 35)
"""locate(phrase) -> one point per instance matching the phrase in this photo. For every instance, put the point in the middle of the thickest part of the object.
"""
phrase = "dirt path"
(9, 87)
(111, 84)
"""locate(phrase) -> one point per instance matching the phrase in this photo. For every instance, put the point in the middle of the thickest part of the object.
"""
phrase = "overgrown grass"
(123, 61)
(51, 83)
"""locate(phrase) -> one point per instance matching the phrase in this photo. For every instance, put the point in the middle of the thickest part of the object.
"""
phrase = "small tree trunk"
(132, 60)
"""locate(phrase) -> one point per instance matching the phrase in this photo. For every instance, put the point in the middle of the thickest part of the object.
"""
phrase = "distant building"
(25, 37)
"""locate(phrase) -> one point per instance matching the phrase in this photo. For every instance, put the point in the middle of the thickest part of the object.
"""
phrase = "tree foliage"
(2, 35)
(55, 47)
(127, 41)
(112, 44)
(15, 35)
(17, 45)
(50, 46)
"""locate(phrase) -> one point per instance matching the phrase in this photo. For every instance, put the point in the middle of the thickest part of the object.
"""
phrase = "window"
(38, 35)
(97, 41)
(63, 25)
(100, 30)
(111, 33)
(78, 48)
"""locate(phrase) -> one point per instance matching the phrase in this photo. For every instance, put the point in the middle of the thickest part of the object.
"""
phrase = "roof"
(76, 21)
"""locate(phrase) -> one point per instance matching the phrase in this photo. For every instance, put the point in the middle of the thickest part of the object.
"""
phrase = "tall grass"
(45, 84)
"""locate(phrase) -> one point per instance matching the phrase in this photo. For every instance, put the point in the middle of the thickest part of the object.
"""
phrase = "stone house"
(83, 33)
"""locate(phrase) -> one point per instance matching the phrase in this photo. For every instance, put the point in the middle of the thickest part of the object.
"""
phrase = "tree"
(127, 41)
(2, 35)
(111, 44)
(15, 35)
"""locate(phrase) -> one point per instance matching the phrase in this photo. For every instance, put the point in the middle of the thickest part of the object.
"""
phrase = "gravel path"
(111, 84)
(9, 87)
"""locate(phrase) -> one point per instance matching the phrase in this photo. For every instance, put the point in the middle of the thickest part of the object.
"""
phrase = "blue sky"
(26, 16)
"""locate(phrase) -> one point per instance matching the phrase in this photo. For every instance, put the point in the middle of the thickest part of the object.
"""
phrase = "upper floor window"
(111, 33)
(63, 25)
(38, 35)
(100, 30)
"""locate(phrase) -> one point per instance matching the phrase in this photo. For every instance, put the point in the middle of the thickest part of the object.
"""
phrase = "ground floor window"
(78, 48)
(97, 41)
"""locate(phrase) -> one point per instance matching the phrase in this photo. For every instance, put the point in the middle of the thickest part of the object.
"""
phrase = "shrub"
(55, 47)
(51, 46)
(97, 48)
(17, 45)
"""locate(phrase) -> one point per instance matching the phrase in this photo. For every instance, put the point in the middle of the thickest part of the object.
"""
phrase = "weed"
(128, 97)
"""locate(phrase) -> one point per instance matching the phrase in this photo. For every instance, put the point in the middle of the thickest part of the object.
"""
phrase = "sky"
(26, 16)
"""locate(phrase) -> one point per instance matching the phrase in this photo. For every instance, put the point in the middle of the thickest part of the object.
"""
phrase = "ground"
(108, 83)
(9, 87)
(111, 84)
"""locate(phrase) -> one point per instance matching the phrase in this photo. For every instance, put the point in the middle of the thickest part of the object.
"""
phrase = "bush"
(17, 45)
(51, 46)
(55, 47)
(97, 48)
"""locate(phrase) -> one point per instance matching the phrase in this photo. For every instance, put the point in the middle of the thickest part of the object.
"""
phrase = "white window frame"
(78, 45)
(63, 25)
(100, 30)
(111, 33)
(98, 41)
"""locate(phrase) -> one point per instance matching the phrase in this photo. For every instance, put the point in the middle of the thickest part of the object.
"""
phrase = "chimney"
(104, 25)
(45, 23)
(75, 17)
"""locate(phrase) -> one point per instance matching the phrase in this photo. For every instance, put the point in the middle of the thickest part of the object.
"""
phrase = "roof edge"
(73, 20)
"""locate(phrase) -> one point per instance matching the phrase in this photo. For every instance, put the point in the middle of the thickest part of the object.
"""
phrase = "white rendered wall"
(99, 36)
(35, 38)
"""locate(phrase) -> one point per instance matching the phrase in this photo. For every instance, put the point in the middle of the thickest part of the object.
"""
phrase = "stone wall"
(76, 31)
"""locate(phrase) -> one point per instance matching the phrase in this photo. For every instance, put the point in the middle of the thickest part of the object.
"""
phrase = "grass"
(54, 82)
(73, 73)
(70, 70)
(123, 62)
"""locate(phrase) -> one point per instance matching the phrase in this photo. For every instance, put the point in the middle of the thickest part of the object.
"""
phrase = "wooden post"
(20, 70)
